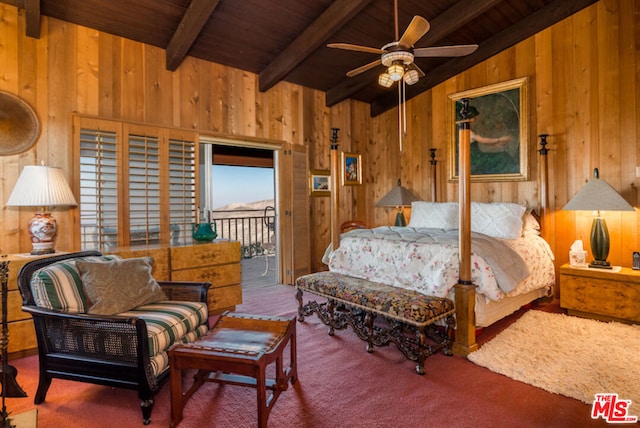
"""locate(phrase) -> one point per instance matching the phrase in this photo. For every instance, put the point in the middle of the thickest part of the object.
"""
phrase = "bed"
(473, 308)
(511, 264)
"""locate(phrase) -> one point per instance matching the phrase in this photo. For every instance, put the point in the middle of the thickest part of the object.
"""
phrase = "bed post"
(434, 186)
(544, 180)
(465, 293)
(335, 171)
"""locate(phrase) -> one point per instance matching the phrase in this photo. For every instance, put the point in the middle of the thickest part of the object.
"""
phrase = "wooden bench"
(380, 314)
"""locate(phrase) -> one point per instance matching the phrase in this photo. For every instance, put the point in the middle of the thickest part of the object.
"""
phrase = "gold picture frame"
(351, 169)
(499, 132)
(319, 182)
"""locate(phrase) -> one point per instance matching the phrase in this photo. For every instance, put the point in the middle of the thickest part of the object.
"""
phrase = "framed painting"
(351, 169)
(319, 182)
(499, 131)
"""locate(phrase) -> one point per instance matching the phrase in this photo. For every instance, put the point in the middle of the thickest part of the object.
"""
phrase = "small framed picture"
(319, 182)
(351, 169)
(636, 260)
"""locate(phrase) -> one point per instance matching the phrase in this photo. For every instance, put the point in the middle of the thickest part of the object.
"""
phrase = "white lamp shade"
(41, 186)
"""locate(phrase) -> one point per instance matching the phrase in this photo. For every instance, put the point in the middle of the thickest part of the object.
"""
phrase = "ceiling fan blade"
(436, 51)
(417, 28)
(357, 48)
(364, 68)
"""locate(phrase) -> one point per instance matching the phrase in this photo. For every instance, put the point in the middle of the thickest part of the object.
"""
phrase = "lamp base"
(400, 220)
(600, 264)
(43, 229)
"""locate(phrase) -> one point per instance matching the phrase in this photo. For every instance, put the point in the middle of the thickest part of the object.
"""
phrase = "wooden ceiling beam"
(190, 26)
(330, 21)
(527, 27)
(32, 15)
(449, 21)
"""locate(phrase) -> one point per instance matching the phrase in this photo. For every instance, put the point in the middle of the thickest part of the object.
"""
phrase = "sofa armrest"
(186, 290)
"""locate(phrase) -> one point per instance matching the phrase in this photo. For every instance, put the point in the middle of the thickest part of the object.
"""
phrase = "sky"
(241, 184)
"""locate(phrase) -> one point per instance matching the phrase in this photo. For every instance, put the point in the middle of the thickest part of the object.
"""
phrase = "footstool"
(237, 350)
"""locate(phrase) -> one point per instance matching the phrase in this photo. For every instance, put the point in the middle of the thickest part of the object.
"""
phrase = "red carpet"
(340, 385)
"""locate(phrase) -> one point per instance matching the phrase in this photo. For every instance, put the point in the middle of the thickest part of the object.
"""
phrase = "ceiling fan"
(398, 56)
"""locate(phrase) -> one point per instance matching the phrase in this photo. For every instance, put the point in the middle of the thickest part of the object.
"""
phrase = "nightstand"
(601, 293)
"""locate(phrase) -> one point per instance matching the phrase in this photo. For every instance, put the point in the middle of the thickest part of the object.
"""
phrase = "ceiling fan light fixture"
(390, 58)
(411, 77)
(395, 71)
(385, 80)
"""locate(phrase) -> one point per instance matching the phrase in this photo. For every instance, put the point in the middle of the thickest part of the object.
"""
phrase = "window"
(137, 184)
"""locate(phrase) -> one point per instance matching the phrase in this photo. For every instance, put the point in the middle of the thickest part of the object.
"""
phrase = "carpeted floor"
(567, 355)
(340, 385)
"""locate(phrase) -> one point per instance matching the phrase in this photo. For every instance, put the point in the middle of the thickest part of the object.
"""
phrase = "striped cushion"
(58, 285)
(160, 361)
(170, 322)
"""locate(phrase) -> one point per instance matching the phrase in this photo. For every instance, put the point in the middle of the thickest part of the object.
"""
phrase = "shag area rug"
(568, 355)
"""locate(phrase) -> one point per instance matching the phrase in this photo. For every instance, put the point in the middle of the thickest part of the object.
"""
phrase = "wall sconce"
(42, 187)
(598, 195)
(398, 197)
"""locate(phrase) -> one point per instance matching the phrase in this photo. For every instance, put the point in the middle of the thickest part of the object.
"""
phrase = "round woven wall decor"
(19, 125)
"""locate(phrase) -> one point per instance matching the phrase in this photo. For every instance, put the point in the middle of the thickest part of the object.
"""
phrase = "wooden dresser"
(601, 293)
(218, 263)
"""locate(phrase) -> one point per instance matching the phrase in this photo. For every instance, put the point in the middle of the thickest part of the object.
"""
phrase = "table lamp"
(43, 187)
(398, 197)
(598, 195)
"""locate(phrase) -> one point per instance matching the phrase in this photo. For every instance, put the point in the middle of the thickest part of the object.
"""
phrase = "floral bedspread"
(426, 260)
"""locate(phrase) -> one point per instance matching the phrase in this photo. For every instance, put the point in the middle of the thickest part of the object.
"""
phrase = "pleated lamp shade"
(42, 187)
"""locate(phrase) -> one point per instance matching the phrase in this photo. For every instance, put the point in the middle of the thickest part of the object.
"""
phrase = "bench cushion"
(394, 302)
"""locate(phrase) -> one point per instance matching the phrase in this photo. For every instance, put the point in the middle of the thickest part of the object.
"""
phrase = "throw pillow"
(119, 285)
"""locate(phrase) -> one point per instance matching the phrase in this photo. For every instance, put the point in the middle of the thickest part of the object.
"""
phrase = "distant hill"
(257, 205)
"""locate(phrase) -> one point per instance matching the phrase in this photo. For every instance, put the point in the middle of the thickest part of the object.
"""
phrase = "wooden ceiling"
(286, 39)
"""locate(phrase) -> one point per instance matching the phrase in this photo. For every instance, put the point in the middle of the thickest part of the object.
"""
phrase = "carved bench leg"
(331, 305)
(369, 318)
(421, 354)
(300, 305)
(449, 331)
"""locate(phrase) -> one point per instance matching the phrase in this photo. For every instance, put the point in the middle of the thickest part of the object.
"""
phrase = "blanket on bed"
(407, 257)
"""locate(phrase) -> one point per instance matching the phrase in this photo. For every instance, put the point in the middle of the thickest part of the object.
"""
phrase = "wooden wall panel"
(582, 91)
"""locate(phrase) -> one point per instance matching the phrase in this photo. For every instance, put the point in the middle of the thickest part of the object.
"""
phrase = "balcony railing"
(254, 229)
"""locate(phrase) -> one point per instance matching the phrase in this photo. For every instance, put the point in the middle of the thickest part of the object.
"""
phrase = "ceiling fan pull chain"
(400, 115)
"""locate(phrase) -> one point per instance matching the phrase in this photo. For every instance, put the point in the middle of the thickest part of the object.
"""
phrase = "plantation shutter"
(96, 142)
(137, 184)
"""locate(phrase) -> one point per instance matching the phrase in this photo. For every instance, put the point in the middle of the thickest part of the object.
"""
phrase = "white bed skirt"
(489, 311)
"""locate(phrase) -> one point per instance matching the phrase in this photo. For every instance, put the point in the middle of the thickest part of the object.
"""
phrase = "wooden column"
(465, 292)
(335, 201)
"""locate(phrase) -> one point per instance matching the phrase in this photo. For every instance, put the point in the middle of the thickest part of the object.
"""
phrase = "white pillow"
(497, 219)
(438, 215)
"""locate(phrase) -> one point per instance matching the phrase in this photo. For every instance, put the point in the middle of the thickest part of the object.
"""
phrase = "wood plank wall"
(582, 91)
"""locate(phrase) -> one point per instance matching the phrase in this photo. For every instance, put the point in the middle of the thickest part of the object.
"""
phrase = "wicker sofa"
(127, 349)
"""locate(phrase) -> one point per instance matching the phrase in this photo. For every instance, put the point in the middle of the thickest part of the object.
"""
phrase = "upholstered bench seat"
(357, 302)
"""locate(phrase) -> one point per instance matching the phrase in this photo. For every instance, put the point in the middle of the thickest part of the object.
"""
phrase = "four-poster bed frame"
(465, 335)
